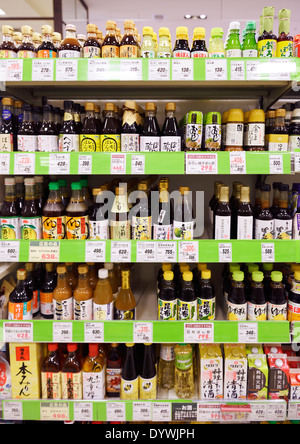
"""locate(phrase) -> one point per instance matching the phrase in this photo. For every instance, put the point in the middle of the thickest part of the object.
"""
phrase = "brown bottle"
(70, 46)
(129, 46)
(71, 374)
(8, 49)
(110, 47)
(92, 275)
(110, 139)
(51, 373)
(54, 219)
(91, 47)
(62, 296)
(264, 221)
(113, 371)
(27, 49)
(72, 276)
(77, 215)
(222, 215)
(89, 137)
(125, 303)
(47, 49)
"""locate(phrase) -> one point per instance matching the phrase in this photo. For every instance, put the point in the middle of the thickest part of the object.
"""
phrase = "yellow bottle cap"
(163, 32)
(225, 116)
(297, 275)
(256, 115)
(182, 31)
(280, 112)
(201, 267)
(217, 32)
(199, 32)
(188, 276)
(168, 275)
(206, 274)
(166, 267)
(147, 30)
(235, 115)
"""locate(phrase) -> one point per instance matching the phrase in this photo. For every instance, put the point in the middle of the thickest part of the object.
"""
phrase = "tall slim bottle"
(130, 379)
(9, 213)
(83, 297)
(71, 374)
(148, 377)
(125, 303)
(222, 216)
(51, 373)
(183, 223)
(62, 297)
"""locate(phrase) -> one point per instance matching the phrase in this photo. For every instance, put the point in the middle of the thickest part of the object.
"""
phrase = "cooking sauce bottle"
(170, 133)
(234, 130)
(112, 277)
(256, 130)
(89, 137)
(91, 47)
(68, 135)
(110, 47)
(128, 46)
(125, 303)
(27, 134)
(62, 296)
(183, 223)
(51, 373)
(71, 374)
(92, 275)
(32, 285)
(27, 49)
(244, 215)
(119, 217)
(46, 292)
(70, 46)
(150, 136)
(47, 139)
(8, 129)
(187, 299)
(167, 298)
(31, 219)
(110, 138)
(264, 220)
(53, 215)
(277, 301)
(47, 49)
(9, 214)
(129, 389)
(103, 298)
(199, 46)
(236, 301)
(141, 226)
(72, 275)
(283, 220)
(98, 216)
(148, 377)
(20, 299)
(130, 131)
(163, 222)
(181, 48)
(278, 138)
(284, 47)
(77, 215)
(222, 216)
(206, 299)
(267, 41)
(8, 49)
(83, 297)
(113, 371)
(257, 304)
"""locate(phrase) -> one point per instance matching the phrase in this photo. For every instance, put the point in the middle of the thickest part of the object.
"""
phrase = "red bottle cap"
(52, 347)
(72, 347)
(93, 350)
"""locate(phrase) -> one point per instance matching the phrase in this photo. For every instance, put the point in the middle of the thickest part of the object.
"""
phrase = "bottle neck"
(47, 38)
(10, 195)
(90, 114)
(76, 195)
(7, 38)
(29, 192)
(164, 196)
(170, 114)
(62, 280)
(279, 121)
(54, 196)
(265, 199)
(27, 38)
(27, 116)
(82, 280)
(48, 116)
(91, 35)
(70, 34)
(125, 282)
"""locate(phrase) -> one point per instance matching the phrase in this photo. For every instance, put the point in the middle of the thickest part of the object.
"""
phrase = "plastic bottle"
(129, 46)
(70, 46)
(249, 46)
(83, 296)
(8, 49)
(89, 139)
(46, 49)
(166, 367)
(233, 46)
(267, 41)
(110, 46)
(62, 296)
(294, 298)
(130, 378)
(181, 47)
(72, 275)
(277, 302)
(183, 224)
(112, 277)
(264, 220)
(212, 131)
(53, 215)
(216, 44)
(93, 375)
(77, 214)
(167, 298)
(9, 214)
(184, 373)
(148, 377)
(198, 48)
(237, 302)
(71, 374)
(222, 215)
(91, 47)
(234, 130)
(125, 303)
(187, 299)
(148, 45)
(206, 300)
(51, 373)
(257, 304)
(256, 130)
(20, 304)
(278, 137)
(103, 297)
(284, 47)
(283, 220)
(163, 49)
(26, 50)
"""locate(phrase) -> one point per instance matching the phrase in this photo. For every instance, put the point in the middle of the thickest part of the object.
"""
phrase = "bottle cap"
(103, 273)
(62, 182)
(70, 27)
(150, 106)
(201, 266)
(49, 266)
(267, 266)
(26, 30)
(148, 30)
(52, 346)
(109, 106)
(29, 266)
(129, 344)
(53, 186)
(213, 117)
(257, 276)
(56, 36)
(129, 24)
(75, 186)
(168, 275)
(187, 276)
(256, 115)
(47, 29)
(166, 267)
(91, 28)
(276, 276)
(206, 274)
(21, 274)
(110, 24)
(280, 112)
(217, 32)
(199, 32)
(93, 350)
(82, 269)
(235, 115)
(7, 101)
(71, 347)
(29, 181)
(7, 29)
(238, 276)
(182, 31)
(61, 269)
(89, 106)
(251, 26)
(234, 267)
(183, 190)
(171, 106)
(9, 181)
(252, 268)
(163, 31)
(297, 275)
(234, 25)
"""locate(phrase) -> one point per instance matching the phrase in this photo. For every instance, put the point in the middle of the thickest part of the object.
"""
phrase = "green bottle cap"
(213, 117)
(276, 276)
(217, 32)
(53, 186)
(257, 276)
(75, 186)
(238, 276)
(267, 266)
(62, 182)
(252, 268)
(251, 26)
(234, 267)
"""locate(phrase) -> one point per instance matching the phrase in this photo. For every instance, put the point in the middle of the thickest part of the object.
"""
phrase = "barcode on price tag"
(161, 411)
(145, 251)
(24, 163)
(59, 163)
(188, 251)
(44, 251)
(138, 164)
(115, 411)
(18, 332)
(42, 69)
(93, 332)
(182, 69)
(267, 252)
(4, 163)
(85, 164)
(201, 163)
(131, 69)
(62, 331)
(14, 70)
(118, 163)
(215, 69)
(66, 69)
(166, 251)
(248, 332)
(237, 161)
(95, 251)
(120, 251)
(225, 252)
(276, 164)
(199, 332)
(10, 250)
(208, 412)
(159, 69)
(143, 332)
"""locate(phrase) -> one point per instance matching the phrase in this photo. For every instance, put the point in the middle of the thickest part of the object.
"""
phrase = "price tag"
(66, 70)
(42, 69)
(159, 69)
(118, 163)
(13, 410)
(183, 69)
(161, 411)
(62, 331)
(279, 69)
(235, 412)
(95, 251)
(142, 411)
(120, 251)
(276, 411)
(276, 164)
(44, 251)
(294, 411)
(131, 69)
(248, 332)
(85, 164)
(237, 70)
(24, 164)
(143, 332)
(54, 411)
(199, 332)
(93, 332)
(166, 251)
(252, 70)
(83, 411)
(59, 163)
(188, 251)
(267, 252)
(3, 68)
(296, 162)
(208, 412)
(145, 251)
(14, 70)
(225, 252)
(115, 411)
(18, 332)
(4, 163)
(10, 250)
(138, 164)
(201, 163)
(98, 69)
(216, 69)
(258, 412)
(237, 162)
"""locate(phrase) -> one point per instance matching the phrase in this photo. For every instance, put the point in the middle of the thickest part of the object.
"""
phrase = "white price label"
(145, 251)
(85, 164)
(54, 411)
(294, 411)
(276, 411)
(95, 251)
(276, 164)
(83, 411)
(208, 412)
(18, 332)
(138, 164)
(161, 411)
(118, 163)
(188, 251)
(93, 332)
(143, 332)
(166, 251)
(62, 332)
(4, 163)
(13, 410)
(248, 332)
(216, 69)
(24, 164)
(201, 163)
(14, 70)
(183, 69)
(258, 412)
(237, 161)
(200, 332)
(44, 251)
(142, 411)
(235, 412)
(131, 69)
(237, 70)
(279, 68)
(98, 69)
(252, 70)
(120, 251)
(159, 69)
(10, 250)
(59, 163)
(115, 411)
(66, 69)
(267, 252)
(3, 68)
(42, 69)
(225, 252)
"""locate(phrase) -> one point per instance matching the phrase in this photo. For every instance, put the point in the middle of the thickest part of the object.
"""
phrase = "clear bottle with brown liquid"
(62, 296)
(56, 39)
(72, 275)
(113, 371)
(70, 46)
(53, 215)
(129, 46)
(51, 373)
(9, 214)
(103, 297)
(83, 296)
(27, 49)
(47, 49)
(27, 133)
(68, 135)
(46, 291)
(92, 275)
(110, 138)
(119, 218)
(222, 216)
(89, 138)
(110, 47)
(31, 219)
(47, 139)
(71, 374)
(77, 215)
(125, 303)
(170, 134)
(112, 277)
(91, 47)
(8, 131)
(244, 216)
(8, 49)
(98, 216)
(20, 299)
(264, 220)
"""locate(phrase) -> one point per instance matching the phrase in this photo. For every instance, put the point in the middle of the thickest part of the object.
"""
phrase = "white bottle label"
(130, 142)
(277, 312)
(27, 143)
(236, 312)
(68, 142)
(170, 143)
(283, 229)
(250, 53)
(183, 230)
(99, 229)
(31, 228)
(222, 227)
(162, 232)
(257, 312)
(93, 385)
(294, 143)
(103, 312)
(83, 310)
(256, 134)
(234, 134)
(6, 143)
(244, 227)
(213, 137)
(69, 54)
(199, 54)
(149, 144)
(63, 310)
(264, 229)
(47, 144)
(234, 53)
(296, 226)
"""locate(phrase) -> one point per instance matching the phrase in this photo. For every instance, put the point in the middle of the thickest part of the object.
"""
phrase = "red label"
(22, 354)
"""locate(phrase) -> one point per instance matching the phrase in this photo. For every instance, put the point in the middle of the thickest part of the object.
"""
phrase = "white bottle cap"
(234, 25)
(102, 273)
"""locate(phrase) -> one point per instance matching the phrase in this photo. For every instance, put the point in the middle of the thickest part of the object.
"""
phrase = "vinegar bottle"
(93, 374)
(130, 379)
(62, 296)
(148, 378)
(51, 373)
(166, 367)
(71, 374)
(83, 297)
(184, 373)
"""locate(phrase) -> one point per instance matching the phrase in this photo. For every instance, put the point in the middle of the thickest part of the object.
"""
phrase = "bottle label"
(170, 143)
(234, 134)
(278, 142)
(164, 55)
(236, 312)
(199, 54)
(20, 310)
(68, 142)
(77, 227)
(128, 51)
(206, 309)
(99, 229)
(181, 54)
(51, 385)
(103, 312)
(162, 232)
(93, 385)
(167, 353)
(6, 143)
(141, 228)
(124, 315)
(213, 137)
(167, 310)
(266, 48)
(296, 226)
(26, 54)
(256, 134)
(120, 230)
(27, 143)
(250, 53)
(113, 380)
(244, 227)
(149, 144)
(234, 53)
(6, 54)
(109, 51)
(148, 54)
(47, 144)
(293, 310)
(184, 362)
(183, 230)
(110, 143)
(277, 312)
(31, 228)
(284, 49)
(46, 303)
(46, 54)
(83, 310)
(222, 227)
(187, 311)
(10, 228)
(69, 54)
(130, 142)
(63, 310)
(71, 385)
(129, 389)
(257, 312)
(294, 142)
(283, 229)
(35, 301)
(214, 55)
(264, 229)
(148, 388)
(91, 51)
(54, 227)
(193, 139)
(89, 142)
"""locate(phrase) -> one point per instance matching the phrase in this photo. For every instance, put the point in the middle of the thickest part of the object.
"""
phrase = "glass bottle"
(112, 277)
(236, 301)
(267, 41)
(62, 296)
(284, 47)
(128, 45)
(130, 131)
(206, 299)
(103, 297)
(129, 389)
(256, 130)
(141, 225)
(32, 286)
(63, 192)
(77, 118)
(294, 298)
(257, 304)
(77, 219)
(222, 215)
(163, 220)
(91, 47)
(167, 298)
(110, 138)
(166, 367)
(53, 215)
(46, 292)
(249, 46)
(148, 45)
(85, 191)
(27, 134)
(233, 46)
(83, 297)
(184, 371)
(216, 44)
(93, 374)
(89, 137)
(163, 48)
(270, 122)
(20, 192)
(234, 130)
(27, 49)
(20, 303)
(198, 48)
(47, 49)
(51, 373)
(56, 39)
(283, 220)
(170, 133)
(277, 302)
(110, 47)
(278, 137)
(8, 48)
(47, 139)
(37, 40)
(18, 113)
(264, 220)
(181, 47)
(17, 38)
(113, 371)
(119, 217)
(183, 223)
(148, 377)
(92, 275)
(98, 216)
(31, 219)
(68, 136)
(8, 131)
(71, 374)
(9, 213)
(70, 46)
(244, 215)
(72, 275)
(187, 299)
(150, 136)
(125, 303)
